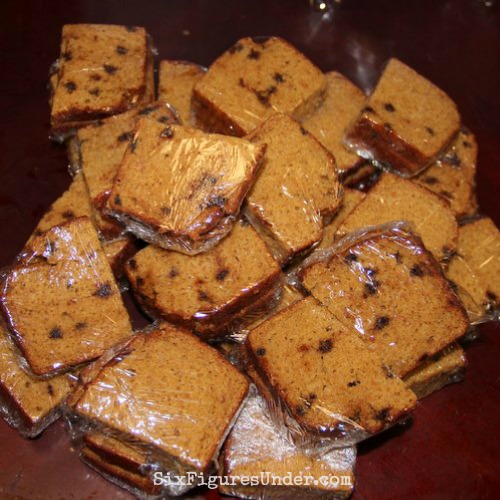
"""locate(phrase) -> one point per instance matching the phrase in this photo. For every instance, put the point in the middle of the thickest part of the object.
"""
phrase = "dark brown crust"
(388, 150)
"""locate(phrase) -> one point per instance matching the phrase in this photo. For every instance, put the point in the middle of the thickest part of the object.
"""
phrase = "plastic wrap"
(109, 68)
(475, 268)
(343, 103)
(258, 450)
(253, 80)
(322, 383)
(397, 199)
(60, 300)
(213, 293)
(296, 192)
(180, 188)
(26, 403)
(175, 85)
(179, 420)
(406, 123)
(386, 286)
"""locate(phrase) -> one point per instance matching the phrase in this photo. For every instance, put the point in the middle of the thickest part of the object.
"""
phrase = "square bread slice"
(98, 151)
(103, 70)
(296, 189)
(180, 418)
(381, 286)
(256, 448)
(26, 403)
(207, 292)
(251, 81)
(453, 176)
(61, 300)
(475, 267)
(406, 123)
(445, 367)
(181, 188)
(175, 86)
(324, 374)
(396, 199)
(328, 123)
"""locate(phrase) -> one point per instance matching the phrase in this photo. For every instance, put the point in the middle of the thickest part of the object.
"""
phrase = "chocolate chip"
(260, 351)
(103, 291)
(367, 109)
(388, 372)
(95, 91)
(416, 270)
(381, 322)
(300, 411)
(70, 87)
(383, 414)
(173, 273)
(95, 77)
(67, 55)
(68, 214)
(120, 49)
(118, 200)
(126, 136)
(398, 257)
(165, 119)
(167, 133)
(371, 288)
(429, 130)
(325, 345)
(279, 78)
(263, 95)
(147, 111)
(452, 159)
(491, 296)
(139, 281)
(254, 54)
(466, 144)
(353, 383)
(303, 130)
(27, 383)
(221, 275)
(55, 333)
(236, 48)
(110, 69)
(388, 127)
(50, 390)
(203, 296)
(389, 107)
(312, 397)
(356, 416)
(80, 325)
(241, 82)
(351, 257)
(430, 180)
(132, 264)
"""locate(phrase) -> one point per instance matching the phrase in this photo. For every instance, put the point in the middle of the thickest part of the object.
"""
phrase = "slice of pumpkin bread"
(251, 81)
(297, 187)
(475, 267)
(181, 419)
(180, 188)
(175, 86)
(26, 403)
(397, 199)
(453, 175)
(61, 300)
(379, 287)
(206, 292)
(256, 448)
(406, 123)
(445, 367)
(342, 105)
(327, 378)
(102, 70)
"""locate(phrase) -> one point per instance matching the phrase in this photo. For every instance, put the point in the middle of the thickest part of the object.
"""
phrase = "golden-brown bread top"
(253, 80)
(102, 71)
(397, 199)
(327, 377)
(61, 300)
(181, 188)
(453, 175)
(391, 291)
(475, 267)
(204, 291)
(406, 123)
(175, 85)
(297, 187)
(185, 413)
(31, 402)
(445, 367)
(328, 123)
(102, 146)
(256, 446)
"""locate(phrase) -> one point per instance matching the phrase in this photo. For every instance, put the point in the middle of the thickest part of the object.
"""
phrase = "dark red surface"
(452, 448)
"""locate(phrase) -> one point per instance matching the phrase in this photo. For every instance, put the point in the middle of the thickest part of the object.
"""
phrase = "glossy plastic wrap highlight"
(177, 420)
(102, 70)
(60, 300)
(257, 448)
(180, 188)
